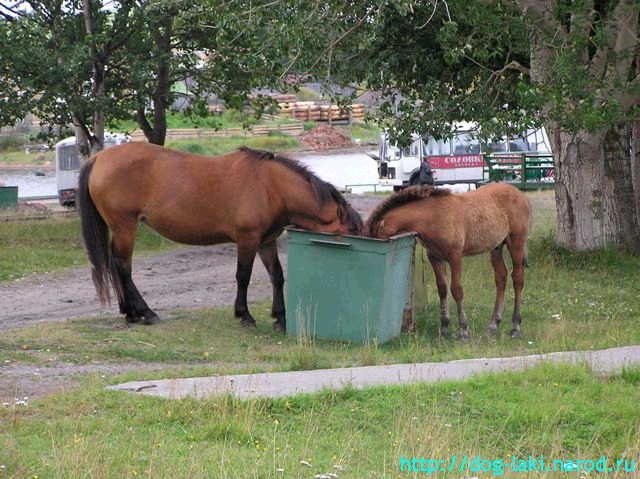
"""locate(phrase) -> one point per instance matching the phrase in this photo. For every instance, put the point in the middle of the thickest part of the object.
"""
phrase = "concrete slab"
(274, 385)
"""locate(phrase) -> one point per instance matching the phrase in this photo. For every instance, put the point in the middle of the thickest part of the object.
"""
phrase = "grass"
(221, 145)
(228, 119)
(558, 412)
(20, 157)
(365, 133)
(47, 245)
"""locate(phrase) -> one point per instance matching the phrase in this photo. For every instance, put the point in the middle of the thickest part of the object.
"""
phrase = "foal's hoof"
(464, 336)
(492, 330)
(515, 333)
(280, 326)
(248, 322)
(444, 332)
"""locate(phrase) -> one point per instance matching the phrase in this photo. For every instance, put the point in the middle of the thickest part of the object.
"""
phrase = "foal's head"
(376, 227)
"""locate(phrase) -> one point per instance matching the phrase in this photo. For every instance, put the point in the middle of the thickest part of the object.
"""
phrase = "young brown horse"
(451, 226)
(246, 197)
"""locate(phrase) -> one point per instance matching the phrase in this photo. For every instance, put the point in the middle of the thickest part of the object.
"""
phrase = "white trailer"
(68, 165)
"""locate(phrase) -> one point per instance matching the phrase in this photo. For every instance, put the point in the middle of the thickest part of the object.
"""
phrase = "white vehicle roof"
(115, 138)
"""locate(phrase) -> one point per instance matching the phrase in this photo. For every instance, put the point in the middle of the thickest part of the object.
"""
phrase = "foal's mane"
(408, 195)
(323, 190)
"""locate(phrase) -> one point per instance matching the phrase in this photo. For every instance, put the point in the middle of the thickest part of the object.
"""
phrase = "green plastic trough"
(347, 288)
(8, 196)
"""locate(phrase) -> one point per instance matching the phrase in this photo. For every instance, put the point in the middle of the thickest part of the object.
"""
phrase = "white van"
(68, 165)
(458, 160)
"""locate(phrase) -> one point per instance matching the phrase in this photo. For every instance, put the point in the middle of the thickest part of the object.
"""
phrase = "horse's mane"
(408, 195)
(323, 190)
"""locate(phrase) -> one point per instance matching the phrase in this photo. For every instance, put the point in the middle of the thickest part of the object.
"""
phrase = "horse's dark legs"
(246, 255)
(458, 294)
(500, 274)
(441, 282)
(132, 305)
(269, 256)
(517, 245)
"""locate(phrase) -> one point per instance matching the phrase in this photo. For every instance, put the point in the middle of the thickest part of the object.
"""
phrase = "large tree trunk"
(595, 199)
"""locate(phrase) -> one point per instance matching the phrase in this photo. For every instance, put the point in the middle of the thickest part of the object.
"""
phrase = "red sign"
(455, 161)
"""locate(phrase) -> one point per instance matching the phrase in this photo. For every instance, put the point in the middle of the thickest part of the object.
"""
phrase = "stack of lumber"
(314, 111)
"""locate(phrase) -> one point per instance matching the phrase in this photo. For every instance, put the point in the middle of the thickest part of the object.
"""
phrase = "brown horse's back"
(491, 214)
(468, 223)
(178, 194)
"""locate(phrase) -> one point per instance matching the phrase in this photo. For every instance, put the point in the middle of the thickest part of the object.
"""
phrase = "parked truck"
(456, 160)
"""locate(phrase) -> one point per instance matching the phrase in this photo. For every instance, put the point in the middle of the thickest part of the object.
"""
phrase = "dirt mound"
(325, 137)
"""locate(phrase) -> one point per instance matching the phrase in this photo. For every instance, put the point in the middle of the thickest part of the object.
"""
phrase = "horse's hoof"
(515, 333)
(280, 326)
(248, 322)
(492, 330)
(445, 333)
(150, 318)
(464, 336)
(131, 319)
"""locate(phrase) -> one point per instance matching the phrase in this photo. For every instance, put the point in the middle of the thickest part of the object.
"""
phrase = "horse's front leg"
(269, 256)
(246, 254)
(458, 294)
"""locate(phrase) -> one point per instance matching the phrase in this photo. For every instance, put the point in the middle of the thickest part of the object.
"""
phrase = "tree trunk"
(595, 199)
(161, 97)
(635, 164)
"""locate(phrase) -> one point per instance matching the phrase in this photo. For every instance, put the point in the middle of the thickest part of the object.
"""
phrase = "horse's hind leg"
(500, 274)
(458, 294)
(517, 248)
(441, 283)
(132, 305)
(269, 256)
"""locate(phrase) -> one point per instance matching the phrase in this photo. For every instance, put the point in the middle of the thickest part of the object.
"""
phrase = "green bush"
(12, 142)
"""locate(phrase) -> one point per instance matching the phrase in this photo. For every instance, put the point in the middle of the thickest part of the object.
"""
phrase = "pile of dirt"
(325, 137)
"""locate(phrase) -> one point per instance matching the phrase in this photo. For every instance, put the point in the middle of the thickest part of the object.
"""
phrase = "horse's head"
(337, 216)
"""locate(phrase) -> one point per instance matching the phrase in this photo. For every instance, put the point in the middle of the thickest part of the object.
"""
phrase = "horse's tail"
(95, 234)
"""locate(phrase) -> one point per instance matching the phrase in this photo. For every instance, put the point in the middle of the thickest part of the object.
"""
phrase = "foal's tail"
(95, 234)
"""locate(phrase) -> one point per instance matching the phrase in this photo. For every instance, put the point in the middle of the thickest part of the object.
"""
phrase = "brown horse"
(451, 226)
(246, 197)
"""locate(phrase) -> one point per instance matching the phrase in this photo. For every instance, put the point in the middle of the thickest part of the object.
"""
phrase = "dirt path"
(183, 278)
